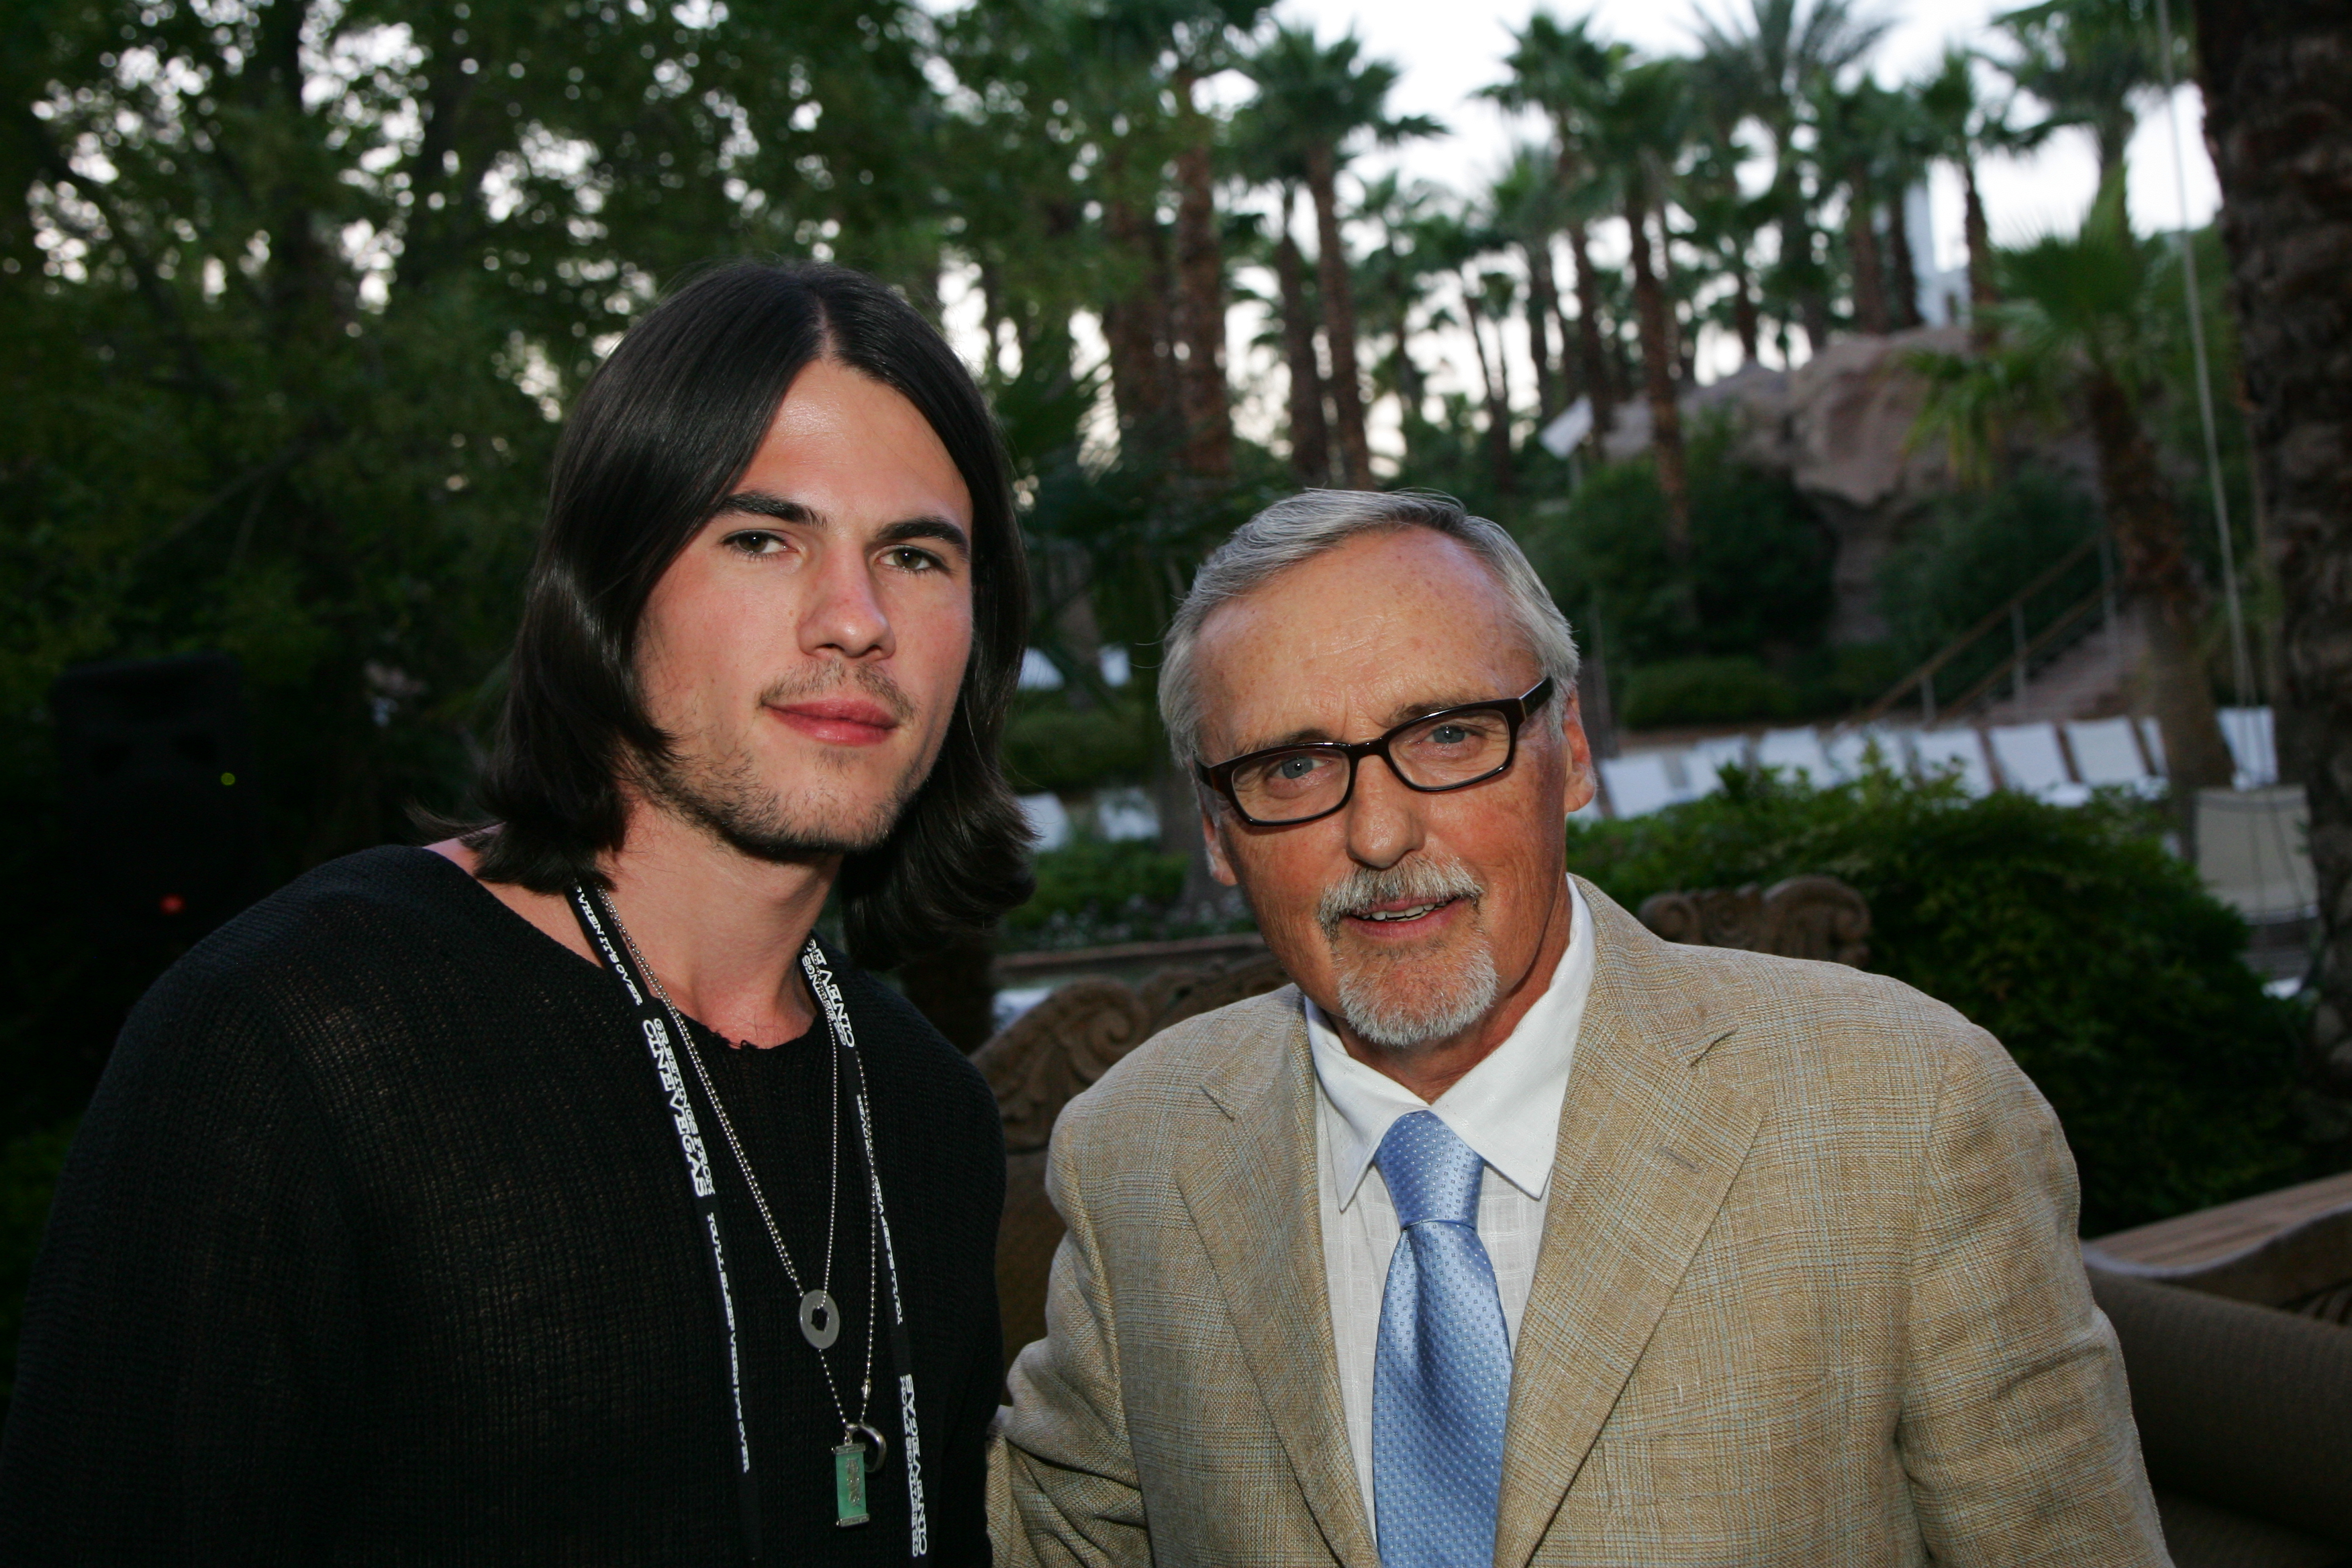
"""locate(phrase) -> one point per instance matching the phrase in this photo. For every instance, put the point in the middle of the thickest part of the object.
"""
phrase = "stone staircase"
(2092, 679)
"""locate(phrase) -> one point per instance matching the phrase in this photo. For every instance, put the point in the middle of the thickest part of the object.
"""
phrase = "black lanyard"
(598, 924)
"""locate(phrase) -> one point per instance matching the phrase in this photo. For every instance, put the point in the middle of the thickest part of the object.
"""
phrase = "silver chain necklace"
(820, 1316)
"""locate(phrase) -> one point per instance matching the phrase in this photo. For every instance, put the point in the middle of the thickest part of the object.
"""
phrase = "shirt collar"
(1507, 1108)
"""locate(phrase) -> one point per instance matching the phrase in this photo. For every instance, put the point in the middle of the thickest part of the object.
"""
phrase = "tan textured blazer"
(1809, 1294)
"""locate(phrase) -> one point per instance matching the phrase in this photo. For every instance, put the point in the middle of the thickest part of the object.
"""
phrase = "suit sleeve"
(1063, 1489)
(2016, 1430)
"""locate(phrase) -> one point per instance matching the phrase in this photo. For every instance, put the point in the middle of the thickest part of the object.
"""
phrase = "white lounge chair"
(1704, 763)
(1850, 750)
(1638, 784)
(1944, 750)
(1799, 752)
(2032, 764)
(2105, 755)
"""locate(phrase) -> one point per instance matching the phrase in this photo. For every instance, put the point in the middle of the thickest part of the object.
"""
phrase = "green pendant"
(849, 1485)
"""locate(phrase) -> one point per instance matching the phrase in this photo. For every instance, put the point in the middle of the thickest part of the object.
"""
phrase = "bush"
(1705, 691)
(2095, 956)
(1757, 581)
(1050, 745)
(1974, 550)
(1095, 891)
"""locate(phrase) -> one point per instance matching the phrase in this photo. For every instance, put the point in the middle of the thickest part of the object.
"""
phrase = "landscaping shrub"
(1976, 548)
(1096, 890)
(1757, 582)
(2093, 954)
(1050, 745)
(1703, 691)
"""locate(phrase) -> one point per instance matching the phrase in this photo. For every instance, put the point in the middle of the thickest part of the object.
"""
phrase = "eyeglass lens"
(1437, 753)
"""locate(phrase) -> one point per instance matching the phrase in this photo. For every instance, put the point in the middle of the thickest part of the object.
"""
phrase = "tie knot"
(1430, 1173)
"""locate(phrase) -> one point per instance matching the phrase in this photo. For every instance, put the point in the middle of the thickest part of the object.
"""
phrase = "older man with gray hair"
(1511, 1235)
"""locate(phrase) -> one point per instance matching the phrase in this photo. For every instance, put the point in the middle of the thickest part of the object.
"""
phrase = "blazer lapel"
(1648, 1148)
(1250, 1185)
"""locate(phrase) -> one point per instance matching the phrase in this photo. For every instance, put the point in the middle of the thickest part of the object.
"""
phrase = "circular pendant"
(820, 1320)
(877, 1446)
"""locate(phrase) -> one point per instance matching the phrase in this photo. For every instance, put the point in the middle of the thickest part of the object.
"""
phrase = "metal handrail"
(2064, 619)
(1992, 618)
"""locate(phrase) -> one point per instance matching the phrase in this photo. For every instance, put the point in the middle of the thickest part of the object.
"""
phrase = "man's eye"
(907, 558)
(755, 542)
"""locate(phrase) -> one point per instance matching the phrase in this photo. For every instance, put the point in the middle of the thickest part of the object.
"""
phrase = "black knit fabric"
(376, 1246)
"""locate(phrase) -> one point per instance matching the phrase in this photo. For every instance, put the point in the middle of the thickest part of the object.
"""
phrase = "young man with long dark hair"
(552, 1193)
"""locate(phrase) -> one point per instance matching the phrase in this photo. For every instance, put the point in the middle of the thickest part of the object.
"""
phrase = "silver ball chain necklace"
(862, 1449)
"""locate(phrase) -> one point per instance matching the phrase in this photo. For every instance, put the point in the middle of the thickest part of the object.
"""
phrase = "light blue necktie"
(1441, 1378)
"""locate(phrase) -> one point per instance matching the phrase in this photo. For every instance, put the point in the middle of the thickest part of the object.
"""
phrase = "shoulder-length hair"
(661, 434)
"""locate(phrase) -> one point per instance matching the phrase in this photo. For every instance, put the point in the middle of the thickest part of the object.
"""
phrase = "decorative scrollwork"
(1804, 917)
(1054, 1050)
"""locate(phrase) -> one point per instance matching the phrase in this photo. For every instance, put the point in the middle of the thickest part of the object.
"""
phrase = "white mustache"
(1419, 880)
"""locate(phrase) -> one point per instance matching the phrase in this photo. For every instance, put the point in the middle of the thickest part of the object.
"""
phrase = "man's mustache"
(866, 680)
(1419, 880)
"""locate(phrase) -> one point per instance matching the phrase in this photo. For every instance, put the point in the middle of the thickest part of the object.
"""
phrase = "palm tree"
(1641, 119)
(1962, 126)
(2074, 334)
(1135, 37)
(1769, 62)
(1392, 283)
(1316, 100)
(1525, 202)
(2086, 59)
(1558, 68)
(2273, 77)
(1266, 157)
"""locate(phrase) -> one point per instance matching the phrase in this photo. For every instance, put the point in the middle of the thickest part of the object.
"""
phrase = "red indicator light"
(172, 903)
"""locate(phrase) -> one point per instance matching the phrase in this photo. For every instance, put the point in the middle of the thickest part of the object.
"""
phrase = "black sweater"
(376, 1246)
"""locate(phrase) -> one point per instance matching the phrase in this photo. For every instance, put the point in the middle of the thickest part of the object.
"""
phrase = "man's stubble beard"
(1407, 1001)
(718, 788)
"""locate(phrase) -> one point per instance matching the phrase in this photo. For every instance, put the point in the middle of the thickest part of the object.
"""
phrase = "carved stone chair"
(1041, 1063)
(1803, 917)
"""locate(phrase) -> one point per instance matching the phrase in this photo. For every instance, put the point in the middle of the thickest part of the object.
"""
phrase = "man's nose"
(1383, 816)
(844, 615)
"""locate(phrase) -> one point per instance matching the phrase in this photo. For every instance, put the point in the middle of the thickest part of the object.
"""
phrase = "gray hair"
(1306, 525)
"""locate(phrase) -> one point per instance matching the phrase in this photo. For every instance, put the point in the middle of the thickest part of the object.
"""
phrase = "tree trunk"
(1981, 292)
(1743, 312)
(2153, 546)
(1803, 271)
(1543, 306)
(2273, 79)
(1339, 319)
(1658, 381)
(1902, 286)
(1869, 278)
(1310, 441)
(1136, 325)
(1201, 301)
(1498, 394)
(1590, 353)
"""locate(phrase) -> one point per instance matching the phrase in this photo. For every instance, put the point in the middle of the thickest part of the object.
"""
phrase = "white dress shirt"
(1507, 1108)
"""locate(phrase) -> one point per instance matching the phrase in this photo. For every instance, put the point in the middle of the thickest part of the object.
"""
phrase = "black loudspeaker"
(159, 808)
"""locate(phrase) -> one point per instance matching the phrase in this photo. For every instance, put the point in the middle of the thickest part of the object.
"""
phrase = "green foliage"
(1974, 549)
(28, 1175)
(1051, 746)
(1095, 891)
(1705, 691)
(1760, 568)
(2071, 934)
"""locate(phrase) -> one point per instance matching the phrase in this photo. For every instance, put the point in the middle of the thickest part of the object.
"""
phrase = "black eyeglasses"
(1451, 749)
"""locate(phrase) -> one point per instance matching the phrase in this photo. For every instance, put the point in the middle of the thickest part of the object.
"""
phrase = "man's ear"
(1219, 866)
